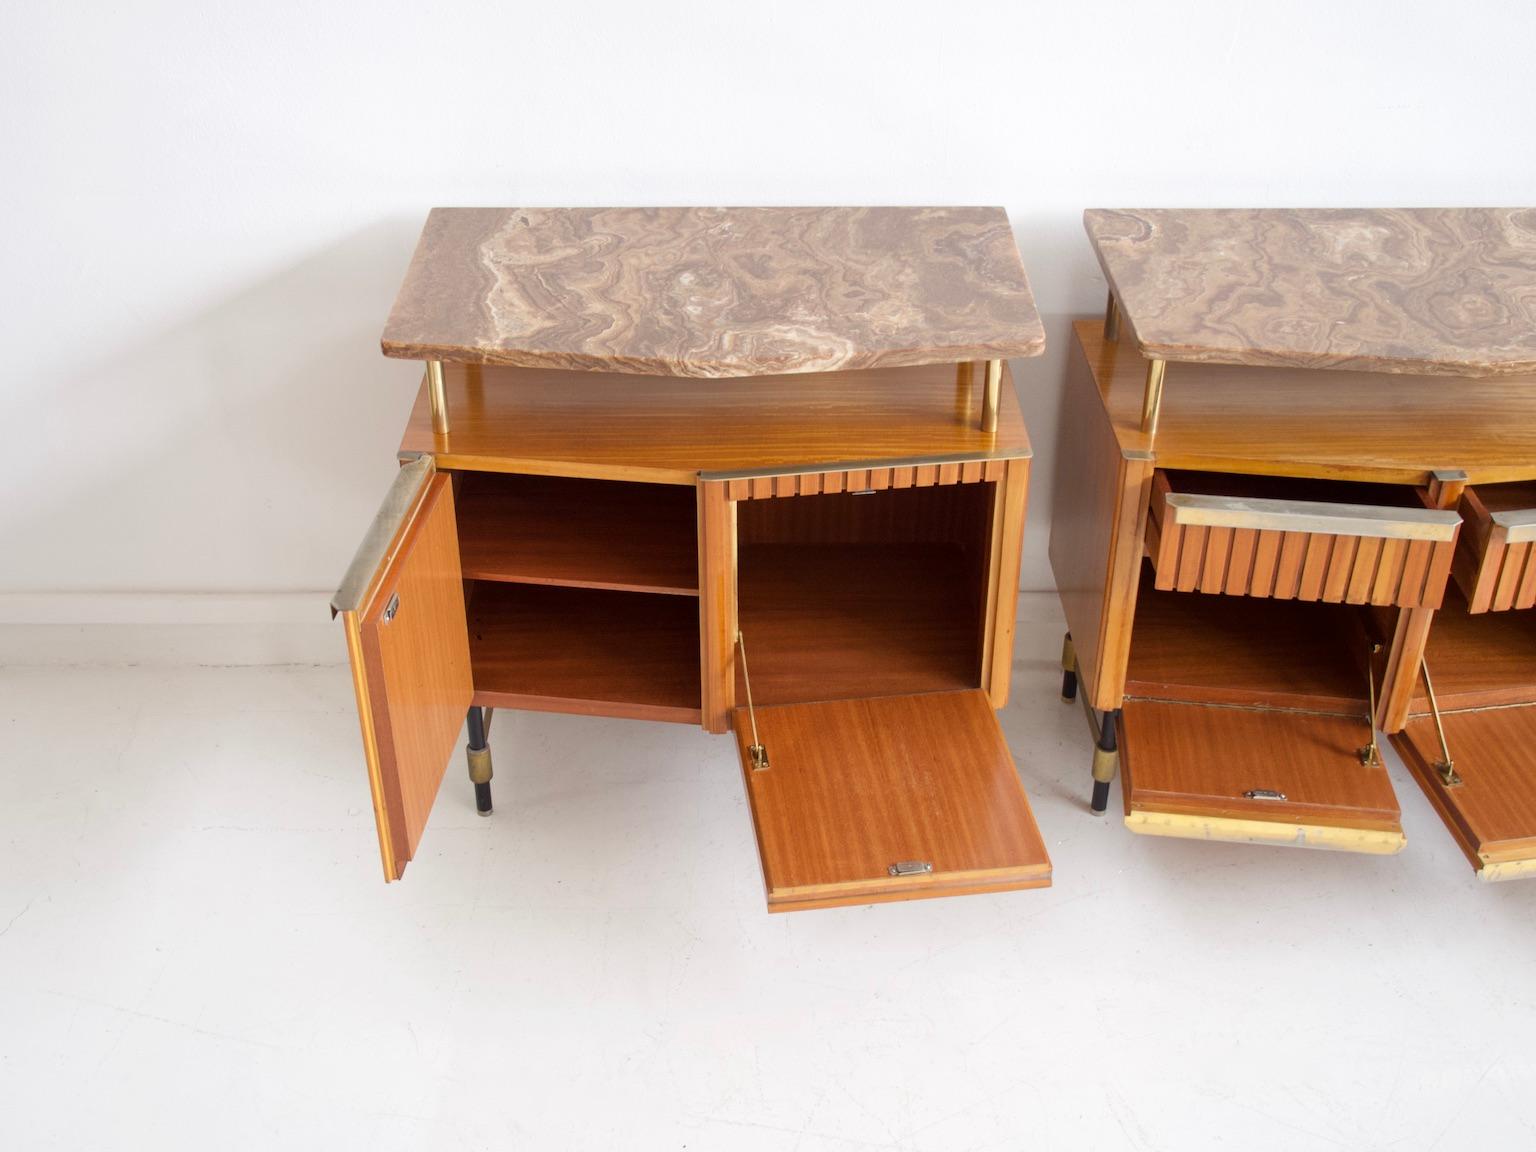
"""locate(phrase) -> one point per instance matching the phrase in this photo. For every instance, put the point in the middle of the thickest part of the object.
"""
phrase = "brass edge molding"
(1370, 841)
(1497, 871)
(1198, 510)
(1519, 525)
(383, 535)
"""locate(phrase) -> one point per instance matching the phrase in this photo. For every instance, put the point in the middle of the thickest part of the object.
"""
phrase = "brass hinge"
(1445, 767)
(756, 753)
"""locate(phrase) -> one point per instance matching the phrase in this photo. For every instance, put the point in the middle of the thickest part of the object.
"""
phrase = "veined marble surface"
(1432, 290)
(714, 292)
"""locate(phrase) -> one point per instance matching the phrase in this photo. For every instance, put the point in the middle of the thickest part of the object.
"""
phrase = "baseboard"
(168, 628)
(197, 628)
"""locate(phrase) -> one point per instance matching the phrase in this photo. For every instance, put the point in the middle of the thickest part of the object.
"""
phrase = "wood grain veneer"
(1478, 661)
(1194, 759)
(1246, 651)
(856, 786)
(1333, 425)
(1099, 508)
(1492, 812)
(582, 533)
(826, 621)
(616, 427)
(596, 653)
(418, 671)
(714, 292)
(1438, 290)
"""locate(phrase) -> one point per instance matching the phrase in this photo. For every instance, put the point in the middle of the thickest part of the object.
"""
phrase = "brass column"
(438, 398)
(991, 395)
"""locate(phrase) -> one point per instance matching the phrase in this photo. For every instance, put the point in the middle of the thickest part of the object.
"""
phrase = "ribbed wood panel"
(866, 479)
(1314, 566)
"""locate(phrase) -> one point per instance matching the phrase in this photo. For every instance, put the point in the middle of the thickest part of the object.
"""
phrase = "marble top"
(1447, 291)
(714, 292)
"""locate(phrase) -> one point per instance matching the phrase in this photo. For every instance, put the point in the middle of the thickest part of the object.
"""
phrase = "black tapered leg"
(478, 753)
(1106, 759)
(1068, 669)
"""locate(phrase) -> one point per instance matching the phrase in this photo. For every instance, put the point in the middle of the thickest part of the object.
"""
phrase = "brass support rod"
(1370, 755)
(991, 395)
(1152, 401)
(1447, 766)
(1112, 318)
(755, 752)
(438, 397)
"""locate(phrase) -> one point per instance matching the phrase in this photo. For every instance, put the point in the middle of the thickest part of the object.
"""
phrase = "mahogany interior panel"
(1492, 812)
(582, 533)
(1198, 760)
(1512, 497)
(1248, 651)
(833, 621)
(1479, 661)
(558, 649)
(855, 787)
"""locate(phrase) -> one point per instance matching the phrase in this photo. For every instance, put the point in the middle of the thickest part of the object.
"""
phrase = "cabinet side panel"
(1098, 512)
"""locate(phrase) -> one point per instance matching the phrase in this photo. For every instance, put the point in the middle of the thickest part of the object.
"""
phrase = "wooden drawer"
(1494, 566)
(1236, 541)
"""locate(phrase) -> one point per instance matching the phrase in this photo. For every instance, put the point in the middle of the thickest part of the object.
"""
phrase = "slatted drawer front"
(873, 479)
(1496, 563)
(1299, 550)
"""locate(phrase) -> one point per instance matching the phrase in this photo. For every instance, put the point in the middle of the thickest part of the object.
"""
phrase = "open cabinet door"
(1486, 791)
(402, 603)
(888, 798)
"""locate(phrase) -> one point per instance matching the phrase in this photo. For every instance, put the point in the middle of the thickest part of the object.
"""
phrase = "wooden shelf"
(557, 649)
(667, 430)
(1214, 649)
(836, 621)
(579, 533)
(1302, 422)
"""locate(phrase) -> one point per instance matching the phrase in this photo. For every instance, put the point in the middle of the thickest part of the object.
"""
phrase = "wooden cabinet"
(822, 559)
(1290, 497)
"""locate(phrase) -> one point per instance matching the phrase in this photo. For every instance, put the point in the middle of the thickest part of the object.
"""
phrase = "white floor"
(197, 951)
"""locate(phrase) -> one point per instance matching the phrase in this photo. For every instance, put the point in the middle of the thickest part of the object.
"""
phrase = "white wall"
(205, 207)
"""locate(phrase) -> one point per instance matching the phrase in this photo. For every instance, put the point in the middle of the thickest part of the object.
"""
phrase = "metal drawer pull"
(1263, 794)
(1196, 509)
(910, 868)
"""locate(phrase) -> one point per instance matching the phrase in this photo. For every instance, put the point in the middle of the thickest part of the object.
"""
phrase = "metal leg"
(1068, 670)
(1106, 759)
(478, 753)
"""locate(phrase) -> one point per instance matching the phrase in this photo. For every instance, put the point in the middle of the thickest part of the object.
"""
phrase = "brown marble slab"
(714, 292)
(1447, 291)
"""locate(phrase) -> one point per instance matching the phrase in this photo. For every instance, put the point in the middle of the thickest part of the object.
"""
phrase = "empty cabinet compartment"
(1291, 539)
(1493, 565)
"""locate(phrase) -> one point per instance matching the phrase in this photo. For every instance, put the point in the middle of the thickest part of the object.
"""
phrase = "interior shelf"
(560, 649)
(833, 621)
(579, 533)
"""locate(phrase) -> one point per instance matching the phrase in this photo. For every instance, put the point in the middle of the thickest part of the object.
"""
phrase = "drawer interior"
(1245, 719)
(1298, 539)
(863, 594)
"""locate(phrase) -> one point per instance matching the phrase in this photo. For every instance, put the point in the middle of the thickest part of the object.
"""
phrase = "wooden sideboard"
(1295, 505)
(761, 470)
